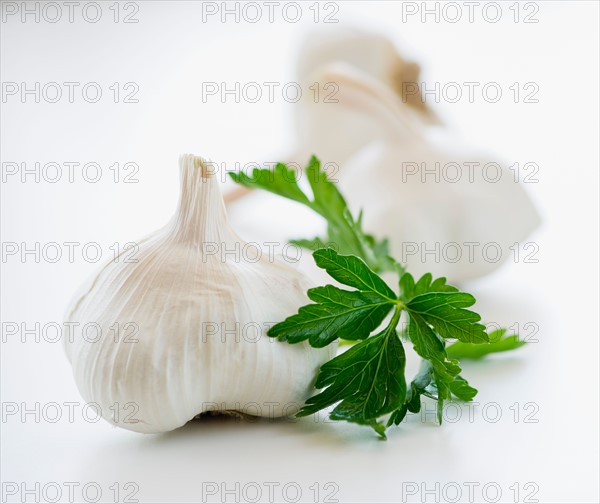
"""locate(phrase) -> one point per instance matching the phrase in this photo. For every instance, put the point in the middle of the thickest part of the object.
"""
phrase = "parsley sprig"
(344, 232)
(368, 378)
(367, 382)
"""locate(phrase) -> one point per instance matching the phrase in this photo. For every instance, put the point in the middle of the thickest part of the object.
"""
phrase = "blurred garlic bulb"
(199, 317)
(377, 137)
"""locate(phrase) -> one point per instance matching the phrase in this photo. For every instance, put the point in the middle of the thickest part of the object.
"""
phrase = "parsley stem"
(395, 318)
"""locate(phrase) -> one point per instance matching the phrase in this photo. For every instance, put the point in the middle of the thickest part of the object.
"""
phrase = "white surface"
(169, 53)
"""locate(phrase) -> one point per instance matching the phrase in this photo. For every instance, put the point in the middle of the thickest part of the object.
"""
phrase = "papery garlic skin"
(201, 316)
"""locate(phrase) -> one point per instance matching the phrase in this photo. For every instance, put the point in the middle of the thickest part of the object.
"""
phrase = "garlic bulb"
(195, 310)
(453, 224)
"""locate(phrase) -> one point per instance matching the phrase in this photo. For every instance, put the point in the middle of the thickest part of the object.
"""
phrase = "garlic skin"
(202, 319)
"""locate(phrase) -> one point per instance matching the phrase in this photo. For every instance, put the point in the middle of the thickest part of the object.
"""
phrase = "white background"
(169, 53)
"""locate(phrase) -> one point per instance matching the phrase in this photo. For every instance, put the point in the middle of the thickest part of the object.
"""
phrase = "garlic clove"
(365, 111)
(326, 125)
(371, 54)
(191, 315)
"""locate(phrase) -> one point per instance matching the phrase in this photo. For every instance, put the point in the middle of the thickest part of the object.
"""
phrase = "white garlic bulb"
(400, 170)
(200, 312)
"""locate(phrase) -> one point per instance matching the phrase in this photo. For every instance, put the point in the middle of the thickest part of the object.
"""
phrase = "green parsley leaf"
(499, 342)
(314, 244)
(327, 200)
(368, 379)
(437, 312)
(431, 347)
(444, 311)
(352, 271)
(418, 387)
(410, 289)
(281, 180)
(461, 389)
(338, 313)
